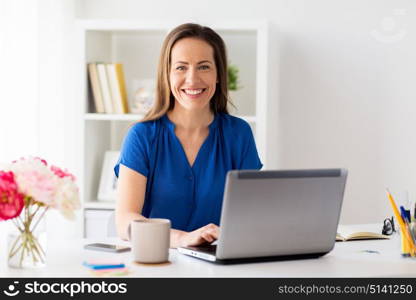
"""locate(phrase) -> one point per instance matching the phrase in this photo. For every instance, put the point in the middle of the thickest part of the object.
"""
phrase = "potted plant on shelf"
(233, 82)
(233, 85)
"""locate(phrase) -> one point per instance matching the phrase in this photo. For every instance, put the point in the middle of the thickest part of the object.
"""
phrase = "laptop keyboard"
(210, 249)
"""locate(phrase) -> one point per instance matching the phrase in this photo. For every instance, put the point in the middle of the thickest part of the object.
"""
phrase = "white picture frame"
(108, 181)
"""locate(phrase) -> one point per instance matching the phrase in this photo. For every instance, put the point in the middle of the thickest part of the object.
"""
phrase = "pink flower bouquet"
(28, 188)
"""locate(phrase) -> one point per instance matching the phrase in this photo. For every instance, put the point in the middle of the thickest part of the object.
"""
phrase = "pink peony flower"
(42, 160)
(38, 158)
(35, 180)
(67, 197)
(11, 201)
(62, 173)
(45, 185)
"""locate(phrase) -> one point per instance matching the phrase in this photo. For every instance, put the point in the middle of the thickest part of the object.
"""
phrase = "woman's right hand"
(203, 235)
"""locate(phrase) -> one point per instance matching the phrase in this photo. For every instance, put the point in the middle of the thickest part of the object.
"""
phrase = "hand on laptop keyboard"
(204, 235)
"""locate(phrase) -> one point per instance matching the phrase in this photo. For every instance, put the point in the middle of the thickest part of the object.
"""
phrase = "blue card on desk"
(100, 266)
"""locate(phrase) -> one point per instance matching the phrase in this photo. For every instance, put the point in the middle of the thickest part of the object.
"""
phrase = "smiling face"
(193, 73)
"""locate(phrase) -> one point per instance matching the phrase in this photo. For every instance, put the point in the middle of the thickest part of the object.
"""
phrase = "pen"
(408, 217)
(401, 222)
(404, 243)
(414, 212)
(405, 213)
(402, 211)
(408, 221)
(409, 227)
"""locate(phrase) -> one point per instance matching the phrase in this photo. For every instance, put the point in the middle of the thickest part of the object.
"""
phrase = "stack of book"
(108, 88)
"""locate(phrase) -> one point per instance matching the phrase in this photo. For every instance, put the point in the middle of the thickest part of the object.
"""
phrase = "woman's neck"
(190, 120)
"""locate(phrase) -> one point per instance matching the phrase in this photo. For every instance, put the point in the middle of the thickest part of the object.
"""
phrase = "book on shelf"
(105, 88)
(350, 233)
(95, 88)
(117, 87)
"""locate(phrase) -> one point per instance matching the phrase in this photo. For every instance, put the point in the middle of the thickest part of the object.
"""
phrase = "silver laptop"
(275, 215)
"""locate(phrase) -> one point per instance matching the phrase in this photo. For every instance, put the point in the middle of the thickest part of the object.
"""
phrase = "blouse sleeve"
(134, 151)
(250, 158)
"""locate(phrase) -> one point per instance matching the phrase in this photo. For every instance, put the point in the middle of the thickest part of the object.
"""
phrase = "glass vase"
(27, 241)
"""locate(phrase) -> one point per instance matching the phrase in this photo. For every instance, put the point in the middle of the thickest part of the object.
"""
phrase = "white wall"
(346, 94)
(18, 84)
(58, 109)
(37, 116)
(18, 79)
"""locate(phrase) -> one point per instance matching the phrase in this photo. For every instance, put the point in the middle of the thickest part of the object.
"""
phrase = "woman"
(173, 163)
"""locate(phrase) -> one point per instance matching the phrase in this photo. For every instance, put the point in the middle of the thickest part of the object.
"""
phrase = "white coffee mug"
(150, 240)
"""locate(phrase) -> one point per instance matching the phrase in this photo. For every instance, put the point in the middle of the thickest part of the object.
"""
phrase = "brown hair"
(165, 100)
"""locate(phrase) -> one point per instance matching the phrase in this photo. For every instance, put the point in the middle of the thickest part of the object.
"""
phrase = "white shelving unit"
(136, 45)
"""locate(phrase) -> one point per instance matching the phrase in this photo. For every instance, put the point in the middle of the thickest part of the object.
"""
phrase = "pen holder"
(405, 247)
(408, 241)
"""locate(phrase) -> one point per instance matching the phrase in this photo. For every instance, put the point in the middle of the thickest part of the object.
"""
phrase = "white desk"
(65, 257)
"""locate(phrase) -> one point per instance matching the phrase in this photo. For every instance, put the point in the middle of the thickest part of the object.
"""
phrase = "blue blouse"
(190, 196)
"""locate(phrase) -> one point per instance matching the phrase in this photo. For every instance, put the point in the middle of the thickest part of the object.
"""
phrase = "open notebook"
(349, 233)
